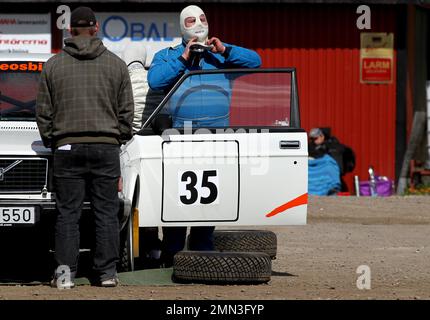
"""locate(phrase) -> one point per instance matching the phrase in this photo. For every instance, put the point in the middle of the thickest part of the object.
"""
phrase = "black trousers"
(201, 239)
(96, 168)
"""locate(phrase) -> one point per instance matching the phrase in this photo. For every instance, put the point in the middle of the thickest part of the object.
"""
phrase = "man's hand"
(186, 54)
(120, 184)
(218, 47)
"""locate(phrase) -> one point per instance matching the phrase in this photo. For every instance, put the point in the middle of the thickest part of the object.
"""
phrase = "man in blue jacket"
(196, 52)
(170, 64)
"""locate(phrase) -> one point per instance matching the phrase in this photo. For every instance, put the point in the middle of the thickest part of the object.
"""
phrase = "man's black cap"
(82, 17)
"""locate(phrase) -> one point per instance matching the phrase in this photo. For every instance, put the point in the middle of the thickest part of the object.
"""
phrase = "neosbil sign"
(28, 66)
(376, 58)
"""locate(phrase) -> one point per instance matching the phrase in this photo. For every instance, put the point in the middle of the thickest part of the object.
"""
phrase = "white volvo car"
(176, 171)
(247, 166)
(27, 198)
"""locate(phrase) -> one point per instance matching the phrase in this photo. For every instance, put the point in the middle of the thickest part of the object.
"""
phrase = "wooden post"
(418, 128)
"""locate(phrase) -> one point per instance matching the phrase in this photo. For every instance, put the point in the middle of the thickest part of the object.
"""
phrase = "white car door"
(250, 168)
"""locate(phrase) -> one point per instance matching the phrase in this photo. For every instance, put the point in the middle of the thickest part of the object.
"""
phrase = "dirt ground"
(316, 261)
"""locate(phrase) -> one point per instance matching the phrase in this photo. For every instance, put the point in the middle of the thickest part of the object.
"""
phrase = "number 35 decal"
(198, 187)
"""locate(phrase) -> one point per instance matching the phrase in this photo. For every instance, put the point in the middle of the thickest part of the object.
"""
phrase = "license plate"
(16, 215)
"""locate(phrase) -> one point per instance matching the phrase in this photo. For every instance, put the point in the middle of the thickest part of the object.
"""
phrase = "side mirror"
(161, 122)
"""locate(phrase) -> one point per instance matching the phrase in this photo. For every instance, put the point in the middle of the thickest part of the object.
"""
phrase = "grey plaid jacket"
(85, 95)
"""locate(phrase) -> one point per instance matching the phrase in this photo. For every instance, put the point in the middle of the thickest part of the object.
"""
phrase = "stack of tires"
(241, 257)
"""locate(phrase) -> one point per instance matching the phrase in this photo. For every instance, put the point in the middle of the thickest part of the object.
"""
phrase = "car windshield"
(19, 82)
(225, 98)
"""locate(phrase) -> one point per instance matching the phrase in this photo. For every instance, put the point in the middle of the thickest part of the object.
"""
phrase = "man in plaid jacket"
(84, 113)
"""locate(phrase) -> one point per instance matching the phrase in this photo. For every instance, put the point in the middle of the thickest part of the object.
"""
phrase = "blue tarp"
(323, 176)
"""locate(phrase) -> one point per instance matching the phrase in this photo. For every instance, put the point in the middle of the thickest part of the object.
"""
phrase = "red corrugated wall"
(323, 43)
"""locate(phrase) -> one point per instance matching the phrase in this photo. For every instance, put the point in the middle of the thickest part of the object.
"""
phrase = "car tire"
(246, 241)
(212, 267)
(126, 257)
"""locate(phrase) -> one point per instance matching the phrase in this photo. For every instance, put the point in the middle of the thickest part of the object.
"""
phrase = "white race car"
(250, 169)
(247, 166)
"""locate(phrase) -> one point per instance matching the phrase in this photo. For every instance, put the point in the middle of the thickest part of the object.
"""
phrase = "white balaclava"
(198, 30)
(134, 52)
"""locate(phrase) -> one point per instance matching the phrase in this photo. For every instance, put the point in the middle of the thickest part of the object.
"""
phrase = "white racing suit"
(145, 99)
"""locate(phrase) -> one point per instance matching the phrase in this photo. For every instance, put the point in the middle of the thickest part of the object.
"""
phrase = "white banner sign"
(155, 30)
(25, 33)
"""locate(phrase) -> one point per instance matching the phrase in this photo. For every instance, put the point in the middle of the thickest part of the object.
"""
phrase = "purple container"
(384, 187)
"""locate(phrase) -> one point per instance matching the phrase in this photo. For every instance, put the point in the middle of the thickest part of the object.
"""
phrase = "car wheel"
(246, 241)
(214, 267)
(126, 256)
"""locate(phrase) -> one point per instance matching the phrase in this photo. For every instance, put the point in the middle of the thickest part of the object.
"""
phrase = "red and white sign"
(376, 57)
(376, 69)
(25, 33)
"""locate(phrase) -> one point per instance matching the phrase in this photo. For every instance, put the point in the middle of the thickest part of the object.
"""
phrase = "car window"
(19, 83)
(231, 99)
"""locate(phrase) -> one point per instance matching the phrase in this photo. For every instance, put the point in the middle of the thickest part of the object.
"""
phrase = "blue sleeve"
(164, 70)
(236, 56)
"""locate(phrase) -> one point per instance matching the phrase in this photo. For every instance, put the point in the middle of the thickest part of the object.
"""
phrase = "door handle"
(289, 144)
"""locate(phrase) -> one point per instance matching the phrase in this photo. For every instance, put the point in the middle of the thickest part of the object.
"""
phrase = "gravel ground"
(316, 261)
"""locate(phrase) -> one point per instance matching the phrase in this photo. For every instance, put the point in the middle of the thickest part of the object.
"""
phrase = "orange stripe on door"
(303, 199)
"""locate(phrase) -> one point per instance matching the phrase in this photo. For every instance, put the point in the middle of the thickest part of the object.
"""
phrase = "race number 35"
(198, 187)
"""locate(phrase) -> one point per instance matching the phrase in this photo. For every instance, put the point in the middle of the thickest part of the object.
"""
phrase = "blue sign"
(136, 31)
